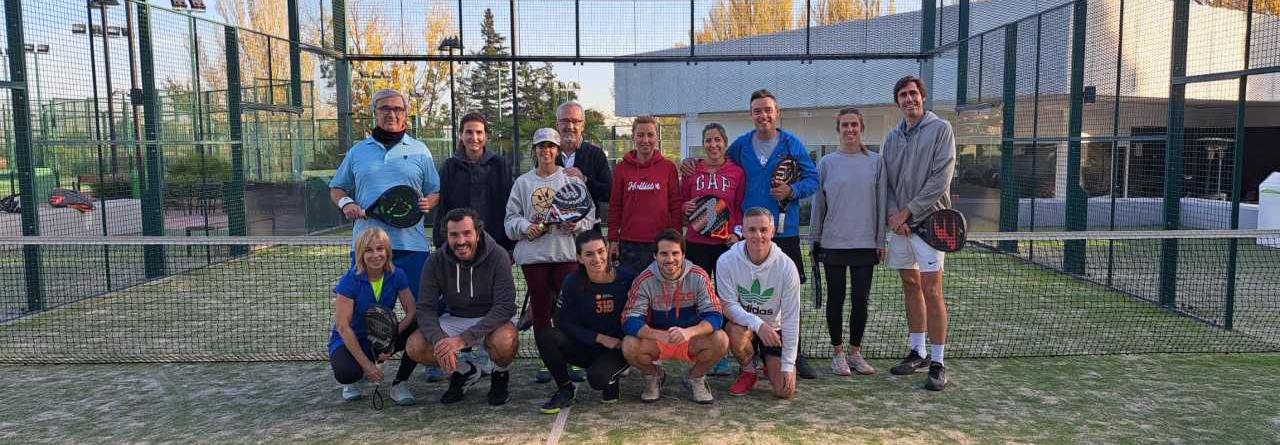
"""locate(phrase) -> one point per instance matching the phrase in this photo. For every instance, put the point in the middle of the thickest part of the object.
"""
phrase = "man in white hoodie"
(760, 290)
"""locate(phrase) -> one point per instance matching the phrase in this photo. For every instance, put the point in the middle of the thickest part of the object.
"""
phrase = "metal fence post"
(1077, 205)
(152, 194)
(295, 56)
(928, 38)
(1008, 192)
(962, 55)
(342, 73)
(1237, 176)
(1173, 153)
(234, 191)
(23, 153)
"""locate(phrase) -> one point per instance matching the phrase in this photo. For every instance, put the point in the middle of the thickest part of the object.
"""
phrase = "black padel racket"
(570, 204)
(70, 198)
(398, 207)
(710, 217)
(787, 172)
(945, 230)
(380, 326)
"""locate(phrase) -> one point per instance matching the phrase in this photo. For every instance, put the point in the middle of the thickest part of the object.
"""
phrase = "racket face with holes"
(787, 172)
(380, 326)
(710, 217)
(398, 207)
(945, 230)
(571, 203)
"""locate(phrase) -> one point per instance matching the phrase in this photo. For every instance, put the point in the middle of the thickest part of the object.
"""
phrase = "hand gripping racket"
(945, 230)
(398, 207)
(710, 217)
(380, 325)
(787, 172)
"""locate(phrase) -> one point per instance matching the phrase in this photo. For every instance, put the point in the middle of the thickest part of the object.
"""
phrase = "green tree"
(484, 83)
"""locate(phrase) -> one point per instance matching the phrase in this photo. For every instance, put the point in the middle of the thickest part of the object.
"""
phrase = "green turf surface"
(276, 304)
(1187, 398)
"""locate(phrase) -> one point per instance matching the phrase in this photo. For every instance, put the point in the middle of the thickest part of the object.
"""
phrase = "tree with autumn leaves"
(735, 19)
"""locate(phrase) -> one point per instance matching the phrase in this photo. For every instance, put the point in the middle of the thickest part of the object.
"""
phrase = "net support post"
(1174, 153)
(152, 196)
(1008, 194)
(1077, 205)
(295, 55)
(22, 151)
(234, 190)
(962, 55)
(1237, 176)
(928, 38)
(342, 73)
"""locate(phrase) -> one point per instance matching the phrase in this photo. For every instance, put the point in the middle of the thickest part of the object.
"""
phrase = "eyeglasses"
(575, 122)
(391, 110)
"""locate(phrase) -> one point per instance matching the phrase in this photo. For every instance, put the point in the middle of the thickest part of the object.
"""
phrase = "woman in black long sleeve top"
(587, 330)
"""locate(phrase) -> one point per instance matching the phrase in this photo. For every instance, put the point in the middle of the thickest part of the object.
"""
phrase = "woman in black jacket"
(587, 331)
(477, 178)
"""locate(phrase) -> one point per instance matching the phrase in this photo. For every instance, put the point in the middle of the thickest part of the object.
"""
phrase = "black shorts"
(705, 255)
(791, 246)
(763, 350)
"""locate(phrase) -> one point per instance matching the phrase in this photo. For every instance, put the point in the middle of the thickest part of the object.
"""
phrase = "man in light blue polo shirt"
(385, 159)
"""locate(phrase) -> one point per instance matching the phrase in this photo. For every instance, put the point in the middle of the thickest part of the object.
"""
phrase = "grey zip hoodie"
(482, 287)
(919, 163)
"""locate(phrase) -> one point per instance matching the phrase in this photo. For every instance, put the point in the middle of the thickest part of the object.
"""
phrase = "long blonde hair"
(368, 239)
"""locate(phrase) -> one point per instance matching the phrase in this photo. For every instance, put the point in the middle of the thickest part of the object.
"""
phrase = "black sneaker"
(458, 384)
(914, 362)
(563, 398)
(577, 374)
(804, 370)
(937, 377)
(498, 393)
(610, 393)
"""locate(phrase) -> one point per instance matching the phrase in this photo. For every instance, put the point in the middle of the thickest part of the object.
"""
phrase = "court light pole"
(448, 45)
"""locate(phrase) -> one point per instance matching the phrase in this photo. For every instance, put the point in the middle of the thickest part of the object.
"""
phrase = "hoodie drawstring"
(457, 279)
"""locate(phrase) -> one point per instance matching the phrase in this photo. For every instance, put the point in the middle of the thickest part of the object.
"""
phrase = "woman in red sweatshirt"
(646, 198)
(719, 177)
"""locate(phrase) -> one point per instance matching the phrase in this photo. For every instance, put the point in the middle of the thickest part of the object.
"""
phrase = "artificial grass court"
(1153, 398)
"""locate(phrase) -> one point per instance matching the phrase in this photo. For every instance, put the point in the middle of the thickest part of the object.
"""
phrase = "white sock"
(916, 340)
(497, 368)
(750, 367)
(936, 353)
(463, 367)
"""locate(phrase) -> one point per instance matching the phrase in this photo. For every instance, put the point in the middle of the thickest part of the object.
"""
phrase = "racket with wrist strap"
(571, 203)
(787, 172)
(398, 207)
(945, 230)
(380, 326)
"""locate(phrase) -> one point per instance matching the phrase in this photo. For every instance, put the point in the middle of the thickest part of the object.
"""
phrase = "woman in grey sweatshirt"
(847, 229)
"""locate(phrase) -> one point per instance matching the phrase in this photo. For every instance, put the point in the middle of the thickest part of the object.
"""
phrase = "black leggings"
(347, 370)
(835, 302)
(558, 351)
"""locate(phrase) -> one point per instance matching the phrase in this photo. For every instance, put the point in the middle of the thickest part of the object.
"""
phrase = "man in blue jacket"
(758, 153)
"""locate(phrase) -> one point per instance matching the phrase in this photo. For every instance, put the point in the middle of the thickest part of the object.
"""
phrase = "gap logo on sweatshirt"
(604, 304)
(643, 185)
(754, 297)
(712, 182)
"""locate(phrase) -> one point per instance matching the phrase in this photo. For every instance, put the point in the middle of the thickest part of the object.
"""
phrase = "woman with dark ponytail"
(587, 328)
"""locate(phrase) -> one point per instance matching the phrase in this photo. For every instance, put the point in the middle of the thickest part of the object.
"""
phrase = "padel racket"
(787, 172)
(817, 256)
(398, 207)
(570, 204)
(70, 198)
(945, 230)
(710, 217)
(11, 204)
(380, 326)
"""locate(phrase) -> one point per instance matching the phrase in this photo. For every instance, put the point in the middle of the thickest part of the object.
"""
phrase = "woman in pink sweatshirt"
(645, 199)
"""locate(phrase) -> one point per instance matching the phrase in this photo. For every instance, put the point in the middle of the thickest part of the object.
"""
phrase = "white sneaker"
(860, 365)
(401, 395)
(839, 365)
(354, 391)
(653, 387)
(698, 388)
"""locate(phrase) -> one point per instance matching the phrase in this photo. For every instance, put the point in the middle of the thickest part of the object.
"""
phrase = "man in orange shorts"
(672, 313)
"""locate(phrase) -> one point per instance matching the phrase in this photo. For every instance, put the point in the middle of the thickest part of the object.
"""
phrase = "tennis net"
(161, 299)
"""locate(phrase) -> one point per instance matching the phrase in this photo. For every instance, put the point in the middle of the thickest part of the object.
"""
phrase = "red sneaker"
(746, 381)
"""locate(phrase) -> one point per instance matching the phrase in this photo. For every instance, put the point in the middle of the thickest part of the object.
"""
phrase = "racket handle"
(782, 221)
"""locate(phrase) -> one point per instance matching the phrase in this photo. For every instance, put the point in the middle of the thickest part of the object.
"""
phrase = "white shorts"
(911, 252)
(455, 326)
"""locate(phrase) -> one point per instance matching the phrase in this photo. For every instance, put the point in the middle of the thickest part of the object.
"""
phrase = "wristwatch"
(342, 203)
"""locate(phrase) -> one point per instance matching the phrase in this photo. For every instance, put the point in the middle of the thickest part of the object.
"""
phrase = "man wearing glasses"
(580, 158)
(387, 158)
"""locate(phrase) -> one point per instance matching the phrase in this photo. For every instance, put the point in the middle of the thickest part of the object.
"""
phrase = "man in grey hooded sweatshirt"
(472, 276)
(919, 156)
